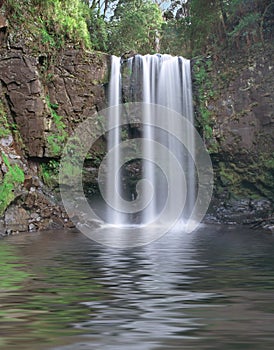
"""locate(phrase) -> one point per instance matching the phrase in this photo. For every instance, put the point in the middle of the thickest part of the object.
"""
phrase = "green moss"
(12, 178)
(56, 140)
(265, 176)
(205, 94)
(253, 179)
(49, 173)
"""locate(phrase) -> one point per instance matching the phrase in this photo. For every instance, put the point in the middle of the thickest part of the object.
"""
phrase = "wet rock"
(269, 227)
(266, 224)
(16, 219)
(255, 213)
(262, 207)
(32, 228)
(69, 223)
(55, 223)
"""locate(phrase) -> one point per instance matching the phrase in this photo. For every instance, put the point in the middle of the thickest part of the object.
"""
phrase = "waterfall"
(113, 181)
(160, 80)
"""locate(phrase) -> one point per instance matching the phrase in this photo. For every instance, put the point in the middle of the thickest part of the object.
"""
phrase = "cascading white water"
(113, 181)
(163, 80)
(150, 65)
(174, 91)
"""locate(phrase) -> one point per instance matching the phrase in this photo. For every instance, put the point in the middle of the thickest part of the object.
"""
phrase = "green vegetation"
(51, 22)
(57, 139)
(49, 173)
(139, 24)
(254, 179)
(204, 85)
(265, 176)
(4, 125)
(98, 32)
(200, 27)
(187, 28)
(12, 178)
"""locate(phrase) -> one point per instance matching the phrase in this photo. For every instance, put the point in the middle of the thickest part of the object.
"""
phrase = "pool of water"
(211, 289)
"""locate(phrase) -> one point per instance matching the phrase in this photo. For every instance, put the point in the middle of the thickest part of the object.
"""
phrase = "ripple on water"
(212, 289)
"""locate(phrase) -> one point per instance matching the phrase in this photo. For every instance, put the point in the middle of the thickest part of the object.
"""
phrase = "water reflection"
(212, 289)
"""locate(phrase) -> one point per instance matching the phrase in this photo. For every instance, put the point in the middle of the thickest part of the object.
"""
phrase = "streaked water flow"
(163, 80)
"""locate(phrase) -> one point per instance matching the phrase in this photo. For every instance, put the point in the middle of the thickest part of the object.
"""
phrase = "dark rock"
(31, 182)
(18, 74)
(261, 206)
(76, 86)
(3, 27)
(128, 55)
(238, 95)
(55, 224)
(16, 219)
(3, 22)
(256, 213)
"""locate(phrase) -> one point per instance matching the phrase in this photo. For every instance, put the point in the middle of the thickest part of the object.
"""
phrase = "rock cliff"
(234, 108)
(42, 99)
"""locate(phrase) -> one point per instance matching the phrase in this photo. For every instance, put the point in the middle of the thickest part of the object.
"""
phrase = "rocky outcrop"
(24, 93)
(41, 104)
(244, 117)
(234, 101)
(74, 84)
(30, 205)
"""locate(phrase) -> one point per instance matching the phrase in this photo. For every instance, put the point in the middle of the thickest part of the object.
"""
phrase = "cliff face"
(73, 87)
(234, 103)
(42, 99)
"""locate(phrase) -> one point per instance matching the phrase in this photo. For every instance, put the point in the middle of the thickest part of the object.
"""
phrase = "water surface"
(211, 289)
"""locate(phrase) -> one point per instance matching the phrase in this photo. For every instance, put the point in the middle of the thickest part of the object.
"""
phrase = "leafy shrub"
(53, 22)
